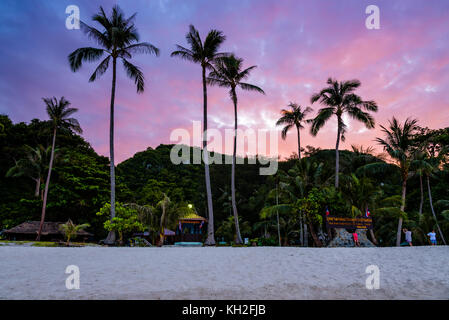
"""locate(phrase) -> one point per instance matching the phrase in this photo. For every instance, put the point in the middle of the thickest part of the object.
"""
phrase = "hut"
(169, 236)
(191, 229)
(50, 231)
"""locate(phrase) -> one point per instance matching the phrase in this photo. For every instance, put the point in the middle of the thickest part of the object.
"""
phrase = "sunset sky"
(296, 45)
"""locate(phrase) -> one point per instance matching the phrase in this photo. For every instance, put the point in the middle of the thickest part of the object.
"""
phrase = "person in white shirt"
(408, 237)
(433, 238)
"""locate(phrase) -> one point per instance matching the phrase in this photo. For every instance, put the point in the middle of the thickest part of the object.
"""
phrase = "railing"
(188, 238)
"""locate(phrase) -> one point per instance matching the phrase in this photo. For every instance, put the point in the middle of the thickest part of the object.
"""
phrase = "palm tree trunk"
(110, 239)
(337, 155)
(422, 195)
(373, 237)
(314, 237)
(433, 211)
(210, 224)
(277, 213)
(371, 231)
(301, 233)
(234, 204)
(306, 235)
(161, 238)
(38, 187)
(47, 184)
(299, 143)
(398, 233)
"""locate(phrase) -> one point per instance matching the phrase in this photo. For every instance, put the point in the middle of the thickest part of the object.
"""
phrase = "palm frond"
(143, 47)
(250, 87)
(95, 34)
(320, 120)
(134, 73)
(285, 131)
(77, 57)
(101, 69)
(184, 53)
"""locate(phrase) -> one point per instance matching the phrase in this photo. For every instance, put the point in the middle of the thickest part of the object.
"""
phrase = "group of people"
(408, 237)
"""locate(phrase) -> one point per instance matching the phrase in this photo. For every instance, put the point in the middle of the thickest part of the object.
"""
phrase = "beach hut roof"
(32, 227)
(192, 216)
(169, 232)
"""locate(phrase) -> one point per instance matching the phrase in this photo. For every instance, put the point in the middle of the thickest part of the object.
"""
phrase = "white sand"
(224, 273)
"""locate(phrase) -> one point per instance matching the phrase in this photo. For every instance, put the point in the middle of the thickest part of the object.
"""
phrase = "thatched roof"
(193, 216)
(32, 227)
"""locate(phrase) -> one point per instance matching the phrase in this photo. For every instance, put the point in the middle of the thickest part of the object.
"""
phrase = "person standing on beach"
(433, 238)
(355, 236)
(408, 237)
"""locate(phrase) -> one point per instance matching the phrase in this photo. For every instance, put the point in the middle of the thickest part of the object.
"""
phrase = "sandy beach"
(224, 273)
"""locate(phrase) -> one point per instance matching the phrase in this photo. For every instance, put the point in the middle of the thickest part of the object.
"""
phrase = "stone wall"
(343, 238)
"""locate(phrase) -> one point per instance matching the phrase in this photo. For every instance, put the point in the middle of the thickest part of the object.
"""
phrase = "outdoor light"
(190, 206)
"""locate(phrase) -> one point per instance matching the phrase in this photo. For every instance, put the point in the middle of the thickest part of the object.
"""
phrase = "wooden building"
(50, 232)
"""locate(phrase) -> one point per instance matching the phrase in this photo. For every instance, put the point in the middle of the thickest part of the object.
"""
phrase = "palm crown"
(33, 164)
(294, 117)
(228, 73)
(339, 98)
(118, 39)
(60, 112)
(199, 52)
(399, 140)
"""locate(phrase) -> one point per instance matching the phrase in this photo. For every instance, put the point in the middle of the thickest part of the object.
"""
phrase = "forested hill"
(150, 173)
(79, 180)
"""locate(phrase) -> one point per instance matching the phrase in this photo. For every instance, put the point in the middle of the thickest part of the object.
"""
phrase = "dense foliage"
(299, 193)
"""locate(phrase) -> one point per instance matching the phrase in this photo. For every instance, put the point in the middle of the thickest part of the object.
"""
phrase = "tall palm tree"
(339, 98)
(433, 165)
(229, 73)
(59, 113)
(419, 165)
(297, 183)
(118, 40)
(399, 145)
(294, 117)
(203, 53)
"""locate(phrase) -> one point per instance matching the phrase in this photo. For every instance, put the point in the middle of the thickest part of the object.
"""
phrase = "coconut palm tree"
(399, 145)
(32, 165)
(339, 99)
(203, 53)
(229, 73)
(360, 194)
(419, 165)
(170, 214)
(294, 117)
(432, 166)
(59, 113)
(299, 181)
(146, 215)
(118, 40)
